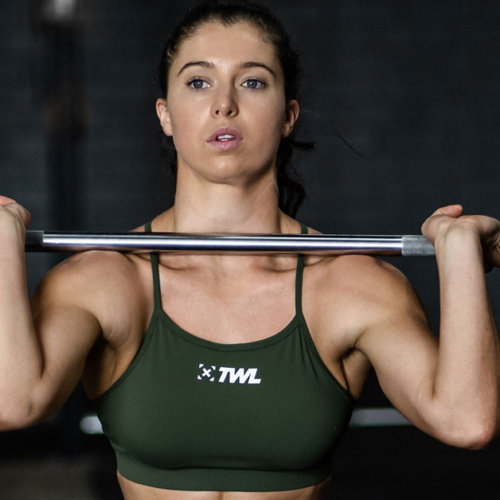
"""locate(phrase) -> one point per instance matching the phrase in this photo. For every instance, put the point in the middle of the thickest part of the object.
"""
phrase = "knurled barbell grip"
(417, 246)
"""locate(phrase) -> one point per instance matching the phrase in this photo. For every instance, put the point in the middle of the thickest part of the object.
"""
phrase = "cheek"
(185, 126)
(270, 121)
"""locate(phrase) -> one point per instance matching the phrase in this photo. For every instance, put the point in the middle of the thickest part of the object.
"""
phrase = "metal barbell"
(230, 243)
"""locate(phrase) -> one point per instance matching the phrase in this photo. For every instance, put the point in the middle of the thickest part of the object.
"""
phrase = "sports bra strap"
(298, 276)
(156, 274)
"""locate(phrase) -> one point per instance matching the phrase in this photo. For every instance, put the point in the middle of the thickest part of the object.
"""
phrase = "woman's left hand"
(448, 220)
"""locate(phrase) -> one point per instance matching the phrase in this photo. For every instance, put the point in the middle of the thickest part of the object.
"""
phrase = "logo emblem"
(206, 373)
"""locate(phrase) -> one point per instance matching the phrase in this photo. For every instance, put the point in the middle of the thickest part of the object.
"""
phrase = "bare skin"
(89, 315)
(133, 491)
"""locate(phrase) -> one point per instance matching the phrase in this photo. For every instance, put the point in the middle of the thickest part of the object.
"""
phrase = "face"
(226, 78)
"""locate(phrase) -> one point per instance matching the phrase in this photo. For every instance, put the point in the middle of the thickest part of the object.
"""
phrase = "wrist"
(11, 229)
(459, 240)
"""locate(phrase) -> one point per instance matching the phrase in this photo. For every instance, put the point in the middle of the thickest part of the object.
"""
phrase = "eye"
(197, 84)
(254, 84)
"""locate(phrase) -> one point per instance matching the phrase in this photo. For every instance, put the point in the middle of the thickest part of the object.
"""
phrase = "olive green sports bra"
(190, 414)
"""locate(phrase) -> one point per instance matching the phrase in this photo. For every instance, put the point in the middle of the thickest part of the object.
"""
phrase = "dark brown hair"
(229, 12)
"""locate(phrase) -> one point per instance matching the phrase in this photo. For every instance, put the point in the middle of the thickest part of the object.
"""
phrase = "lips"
(225, 131)
(225, 139)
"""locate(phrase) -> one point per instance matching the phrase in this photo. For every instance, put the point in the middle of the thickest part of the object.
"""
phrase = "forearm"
(467, 379)
(21, 361)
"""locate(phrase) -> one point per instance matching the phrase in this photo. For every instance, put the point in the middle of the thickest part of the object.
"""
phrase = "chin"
(226, 173)
(226, 169)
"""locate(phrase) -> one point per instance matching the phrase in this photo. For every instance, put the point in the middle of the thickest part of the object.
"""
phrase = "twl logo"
(230, 374)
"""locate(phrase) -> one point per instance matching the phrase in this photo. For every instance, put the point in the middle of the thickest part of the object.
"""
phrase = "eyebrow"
(245, 65)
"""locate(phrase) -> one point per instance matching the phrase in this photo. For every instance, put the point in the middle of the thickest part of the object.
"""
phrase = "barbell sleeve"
(230, 243)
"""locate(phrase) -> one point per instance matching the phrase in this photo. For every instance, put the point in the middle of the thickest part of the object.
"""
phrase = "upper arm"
(399, 344)
(67, 324)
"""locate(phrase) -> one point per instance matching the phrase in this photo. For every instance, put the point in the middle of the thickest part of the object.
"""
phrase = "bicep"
(402, 349)
(66, 329)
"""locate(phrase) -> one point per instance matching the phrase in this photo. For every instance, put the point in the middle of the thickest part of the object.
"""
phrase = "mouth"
(225, 138)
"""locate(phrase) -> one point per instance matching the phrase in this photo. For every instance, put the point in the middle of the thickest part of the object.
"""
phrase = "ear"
(291, 115)
(164, 116)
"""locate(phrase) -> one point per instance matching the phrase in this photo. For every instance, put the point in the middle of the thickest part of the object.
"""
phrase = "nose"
(225, 102)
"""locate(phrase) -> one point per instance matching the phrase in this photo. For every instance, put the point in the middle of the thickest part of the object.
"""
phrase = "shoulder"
(362, 274)
(367, 274)
(367, 290)
(87, 269)
(92, 281)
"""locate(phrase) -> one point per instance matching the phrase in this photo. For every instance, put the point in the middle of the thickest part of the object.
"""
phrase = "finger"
(450, 211)
(440, 220)
(4, 200)
(18, 211)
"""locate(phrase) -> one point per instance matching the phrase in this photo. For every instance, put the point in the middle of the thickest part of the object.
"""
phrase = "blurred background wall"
(403, 101)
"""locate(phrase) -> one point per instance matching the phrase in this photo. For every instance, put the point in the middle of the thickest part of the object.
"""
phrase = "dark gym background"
(412, 86)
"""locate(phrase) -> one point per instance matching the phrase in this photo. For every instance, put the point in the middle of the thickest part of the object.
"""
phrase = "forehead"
(221, 44)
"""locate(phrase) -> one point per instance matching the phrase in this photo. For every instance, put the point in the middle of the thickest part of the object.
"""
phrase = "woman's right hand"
(13, 215)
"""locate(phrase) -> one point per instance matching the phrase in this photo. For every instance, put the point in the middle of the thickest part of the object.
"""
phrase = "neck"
(216, 207)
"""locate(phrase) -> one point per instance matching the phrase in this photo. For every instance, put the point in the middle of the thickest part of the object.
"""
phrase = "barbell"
(230, 243)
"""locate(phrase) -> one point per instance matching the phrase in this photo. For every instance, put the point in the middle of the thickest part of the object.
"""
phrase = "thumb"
(450, 211)
(4, 200)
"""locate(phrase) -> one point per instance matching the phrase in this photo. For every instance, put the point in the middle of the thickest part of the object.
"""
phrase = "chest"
(254, 307)
(225, 410)
(238, 310)
(227, 309)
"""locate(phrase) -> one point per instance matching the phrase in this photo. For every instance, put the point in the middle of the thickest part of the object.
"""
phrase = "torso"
(195, 294)
(133, 491)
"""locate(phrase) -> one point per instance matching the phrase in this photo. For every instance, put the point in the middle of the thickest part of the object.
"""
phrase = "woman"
(198, 393)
